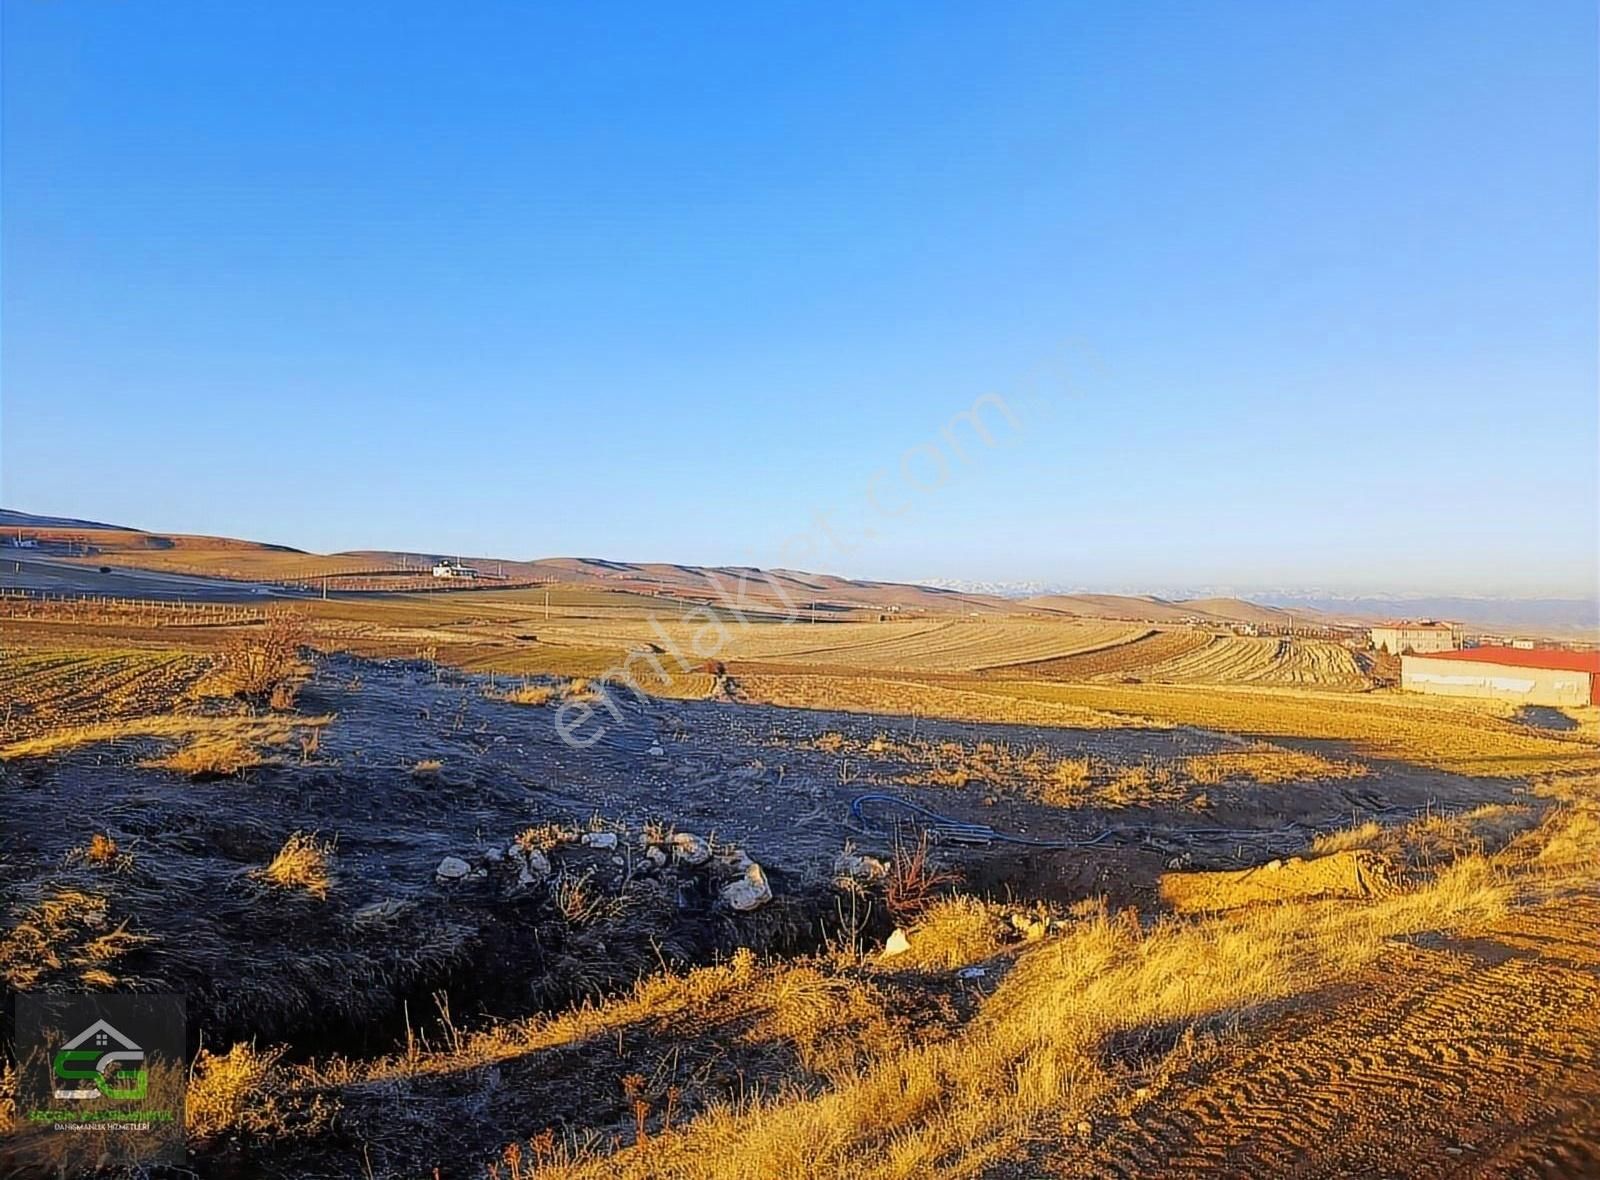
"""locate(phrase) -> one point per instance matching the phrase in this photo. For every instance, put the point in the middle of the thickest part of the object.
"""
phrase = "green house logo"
(100, 1063)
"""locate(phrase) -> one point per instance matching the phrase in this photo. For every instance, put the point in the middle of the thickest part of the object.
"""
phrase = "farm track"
(1477, 1056)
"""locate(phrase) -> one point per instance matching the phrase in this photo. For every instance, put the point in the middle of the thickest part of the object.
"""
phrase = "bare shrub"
(262, 664)
(914, 880)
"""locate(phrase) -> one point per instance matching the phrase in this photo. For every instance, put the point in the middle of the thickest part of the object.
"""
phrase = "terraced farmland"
(1235, 659)
(943, 645)
(1191, 655)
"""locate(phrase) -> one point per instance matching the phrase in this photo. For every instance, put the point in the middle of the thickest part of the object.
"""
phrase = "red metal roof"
(1522, 657)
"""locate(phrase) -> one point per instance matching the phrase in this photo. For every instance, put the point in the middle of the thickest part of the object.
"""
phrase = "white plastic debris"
(656, 751)
(750, 891)
(859, 868)
(972, 973)
(897, 944)
(600, 840)
(452, 868)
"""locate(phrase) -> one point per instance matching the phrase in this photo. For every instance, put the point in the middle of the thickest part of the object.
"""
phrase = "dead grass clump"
(426, 768)
(1357, 874)
(530, 694)
(66, 935)
(545, 837)
(953, 932)
(1263, 762)
(211, 756)
(1434, 839)
(249, 1091)
(581, 902)
(101, 852)
(304, 862)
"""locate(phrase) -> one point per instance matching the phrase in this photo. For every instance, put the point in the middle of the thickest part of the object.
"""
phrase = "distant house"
(1421, 635)
(453, 569)
(1530, 677)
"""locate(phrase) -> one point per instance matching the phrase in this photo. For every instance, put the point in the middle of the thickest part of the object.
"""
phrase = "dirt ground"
(422, 762)
(1476, 1054)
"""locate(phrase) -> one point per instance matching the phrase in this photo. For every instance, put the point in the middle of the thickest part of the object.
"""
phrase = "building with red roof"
(1530, 676)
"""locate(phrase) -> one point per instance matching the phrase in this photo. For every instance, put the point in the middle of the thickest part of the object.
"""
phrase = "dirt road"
(1477, 1055)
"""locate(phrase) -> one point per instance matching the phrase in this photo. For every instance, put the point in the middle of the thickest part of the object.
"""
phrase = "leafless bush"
(262, 664)
(914, 880)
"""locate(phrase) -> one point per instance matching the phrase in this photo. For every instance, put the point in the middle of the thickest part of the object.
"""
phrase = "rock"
(750, 891)
(897, 944)
(656, 856)
(532, 865)
(452, 868)
(656, 751)
(736, 860)
(480, 872)
(859, 868)
(495, 855)
(600, 840)
(691, 849)
(380, 913)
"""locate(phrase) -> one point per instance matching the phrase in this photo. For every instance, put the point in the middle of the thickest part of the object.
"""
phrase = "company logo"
(111, 1063)
(100, 1082)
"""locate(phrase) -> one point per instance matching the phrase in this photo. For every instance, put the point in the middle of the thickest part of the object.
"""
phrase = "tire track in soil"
(1473, 1057)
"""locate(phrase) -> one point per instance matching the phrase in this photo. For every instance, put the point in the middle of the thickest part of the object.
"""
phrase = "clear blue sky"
(1281, 294)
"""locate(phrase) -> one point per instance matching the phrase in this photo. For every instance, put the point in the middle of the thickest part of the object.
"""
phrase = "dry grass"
(530, 694)
(1079, 781)
(218, 755)
(1034, 1059)
(304, 863)
(426, 768)
(66, 935)
(249, 1091)
(266, 731)
(873, 1097)
(1262, 762)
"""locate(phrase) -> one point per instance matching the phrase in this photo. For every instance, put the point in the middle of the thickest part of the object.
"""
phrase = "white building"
(1537, 677)
(1422, 635)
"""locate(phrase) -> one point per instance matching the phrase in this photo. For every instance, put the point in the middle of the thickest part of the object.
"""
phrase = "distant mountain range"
(793, 589)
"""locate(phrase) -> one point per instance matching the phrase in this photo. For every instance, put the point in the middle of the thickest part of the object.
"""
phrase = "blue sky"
(1278, 295)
